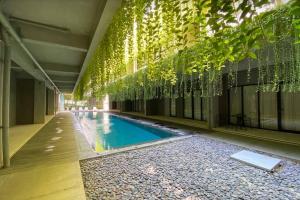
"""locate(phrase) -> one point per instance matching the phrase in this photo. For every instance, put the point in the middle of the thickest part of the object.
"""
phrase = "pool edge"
(139, 146)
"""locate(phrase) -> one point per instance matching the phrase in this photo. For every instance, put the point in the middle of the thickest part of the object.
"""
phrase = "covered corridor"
(47, 166)
(149, 99)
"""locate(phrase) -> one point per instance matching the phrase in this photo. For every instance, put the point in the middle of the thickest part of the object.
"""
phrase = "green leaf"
(252, 55)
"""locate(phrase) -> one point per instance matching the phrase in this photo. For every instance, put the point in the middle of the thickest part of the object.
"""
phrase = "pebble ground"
(194, 168)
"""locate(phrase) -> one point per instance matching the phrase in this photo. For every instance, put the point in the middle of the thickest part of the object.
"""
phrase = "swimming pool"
(105, 131)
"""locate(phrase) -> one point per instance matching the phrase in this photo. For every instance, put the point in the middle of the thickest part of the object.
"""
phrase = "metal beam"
(14, 35)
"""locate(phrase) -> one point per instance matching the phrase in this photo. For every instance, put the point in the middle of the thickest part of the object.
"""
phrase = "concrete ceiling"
(59, 33)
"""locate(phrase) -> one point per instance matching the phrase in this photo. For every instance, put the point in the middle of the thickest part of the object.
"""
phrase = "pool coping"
(138, 146)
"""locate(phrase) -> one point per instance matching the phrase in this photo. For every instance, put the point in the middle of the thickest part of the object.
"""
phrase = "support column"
(50, 102)
(1, 100)
(56, 96)
(55, 103)
(6, 96)
(39, 102)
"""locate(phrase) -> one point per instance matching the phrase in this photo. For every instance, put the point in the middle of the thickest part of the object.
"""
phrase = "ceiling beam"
(63, 79)
(61, 73)
(53, 44)
(66, 87)
(36, 34)
(64, 84)
(66, 91)
(60, 67)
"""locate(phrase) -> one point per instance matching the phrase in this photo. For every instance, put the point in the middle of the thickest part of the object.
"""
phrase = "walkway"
(21, 134)
(47, 167)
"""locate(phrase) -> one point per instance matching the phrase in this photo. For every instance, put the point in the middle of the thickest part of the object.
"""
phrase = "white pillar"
(6, 97)
(106, 103)
(1, 100)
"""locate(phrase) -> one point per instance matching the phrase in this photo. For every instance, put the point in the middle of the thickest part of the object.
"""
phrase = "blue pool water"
(105, 131)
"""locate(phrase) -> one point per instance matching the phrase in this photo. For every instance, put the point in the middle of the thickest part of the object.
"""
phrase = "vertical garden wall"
(177, 45)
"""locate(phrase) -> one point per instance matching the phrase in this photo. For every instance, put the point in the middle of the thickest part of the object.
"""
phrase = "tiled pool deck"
(46, 167)
(194, 168)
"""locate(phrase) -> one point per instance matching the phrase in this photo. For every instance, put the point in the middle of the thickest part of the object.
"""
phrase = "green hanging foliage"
(153, 48)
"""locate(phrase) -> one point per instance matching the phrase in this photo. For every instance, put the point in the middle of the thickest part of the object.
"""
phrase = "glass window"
(173, 106)
(197, 105)
(188, 105)
(290, 111)
(167, 106)
(268, 110)
(204, 108)
(250, 106)
(141, 105)
(235, 104)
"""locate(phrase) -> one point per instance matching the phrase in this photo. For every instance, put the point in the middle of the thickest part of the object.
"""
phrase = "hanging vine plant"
(186, 44)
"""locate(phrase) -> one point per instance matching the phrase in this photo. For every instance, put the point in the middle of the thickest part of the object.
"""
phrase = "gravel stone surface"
(194, 168)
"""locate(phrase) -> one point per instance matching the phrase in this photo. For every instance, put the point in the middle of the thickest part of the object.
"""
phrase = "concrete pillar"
(50, 102)
(6, 96)
(25, 101)
(39, 102)
(12, 99)
(56, 106)
(1, 98)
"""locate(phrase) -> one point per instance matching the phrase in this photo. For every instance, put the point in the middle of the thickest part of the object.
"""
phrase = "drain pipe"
(11, 31)
(6, 97)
